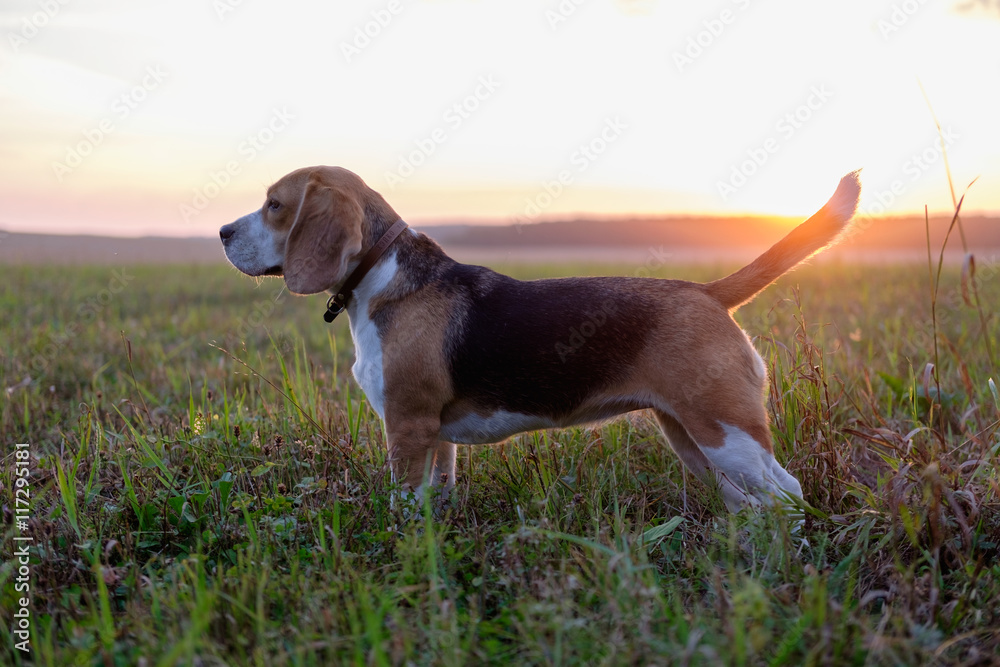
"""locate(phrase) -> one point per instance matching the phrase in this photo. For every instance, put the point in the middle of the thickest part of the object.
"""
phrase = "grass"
(185, 510)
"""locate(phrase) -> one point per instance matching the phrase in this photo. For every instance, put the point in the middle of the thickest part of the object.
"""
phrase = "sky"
(133, 118)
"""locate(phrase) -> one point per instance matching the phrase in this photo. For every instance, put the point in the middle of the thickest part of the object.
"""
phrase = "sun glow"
(490, 111)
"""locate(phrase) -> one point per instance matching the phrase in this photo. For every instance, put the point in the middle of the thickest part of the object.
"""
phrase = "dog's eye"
(273, 204)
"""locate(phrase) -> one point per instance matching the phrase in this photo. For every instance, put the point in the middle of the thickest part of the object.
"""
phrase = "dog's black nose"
(227, 232)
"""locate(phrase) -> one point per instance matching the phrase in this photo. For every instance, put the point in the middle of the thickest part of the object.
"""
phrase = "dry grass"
(186, 511)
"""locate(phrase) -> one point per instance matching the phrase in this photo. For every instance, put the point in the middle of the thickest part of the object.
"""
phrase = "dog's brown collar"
(335, 306)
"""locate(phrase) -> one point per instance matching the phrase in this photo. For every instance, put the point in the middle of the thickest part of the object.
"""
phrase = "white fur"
(844, 202)
(367, 344)
(444, 465)
(253, 249)
(473, 429)
(747, 473)
(759, 366)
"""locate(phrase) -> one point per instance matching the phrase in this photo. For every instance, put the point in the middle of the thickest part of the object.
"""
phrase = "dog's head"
(311, 229)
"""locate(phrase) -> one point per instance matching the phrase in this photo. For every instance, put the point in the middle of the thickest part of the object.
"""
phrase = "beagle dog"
(450, 353)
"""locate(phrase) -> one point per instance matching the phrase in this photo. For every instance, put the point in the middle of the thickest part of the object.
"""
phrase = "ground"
(208, 486)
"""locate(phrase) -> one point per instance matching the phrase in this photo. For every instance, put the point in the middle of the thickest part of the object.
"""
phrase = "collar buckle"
(334, 306)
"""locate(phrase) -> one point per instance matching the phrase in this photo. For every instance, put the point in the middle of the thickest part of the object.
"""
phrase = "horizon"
(604, 110)
(771, 224)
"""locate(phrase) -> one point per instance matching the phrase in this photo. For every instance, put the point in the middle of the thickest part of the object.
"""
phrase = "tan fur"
(323, 223)
(818, 232)
(330, 247)
(417, 383)
(710, 362)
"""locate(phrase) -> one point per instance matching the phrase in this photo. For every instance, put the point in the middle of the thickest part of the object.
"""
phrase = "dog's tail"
(813, 235)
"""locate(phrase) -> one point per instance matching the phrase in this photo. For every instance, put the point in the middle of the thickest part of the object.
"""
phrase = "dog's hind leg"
(682, 444)
(742, 457)
(419, 461)
(694, 458)
(443, 470)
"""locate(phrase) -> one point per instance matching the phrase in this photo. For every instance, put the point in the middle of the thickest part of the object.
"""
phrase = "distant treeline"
(904, 233)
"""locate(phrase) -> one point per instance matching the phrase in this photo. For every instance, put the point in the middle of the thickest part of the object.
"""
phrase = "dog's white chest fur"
(367, 344)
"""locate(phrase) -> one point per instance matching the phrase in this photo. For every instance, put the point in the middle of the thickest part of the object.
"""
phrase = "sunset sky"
(133, 118)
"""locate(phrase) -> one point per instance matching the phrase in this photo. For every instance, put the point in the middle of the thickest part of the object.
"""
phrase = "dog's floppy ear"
(325, 235)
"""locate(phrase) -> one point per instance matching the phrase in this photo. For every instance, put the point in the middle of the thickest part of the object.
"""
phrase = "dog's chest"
(368, 362)
(368, 370)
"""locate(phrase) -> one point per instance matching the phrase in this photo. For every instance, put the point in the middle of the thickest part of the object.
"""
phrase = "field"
(207, 486)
